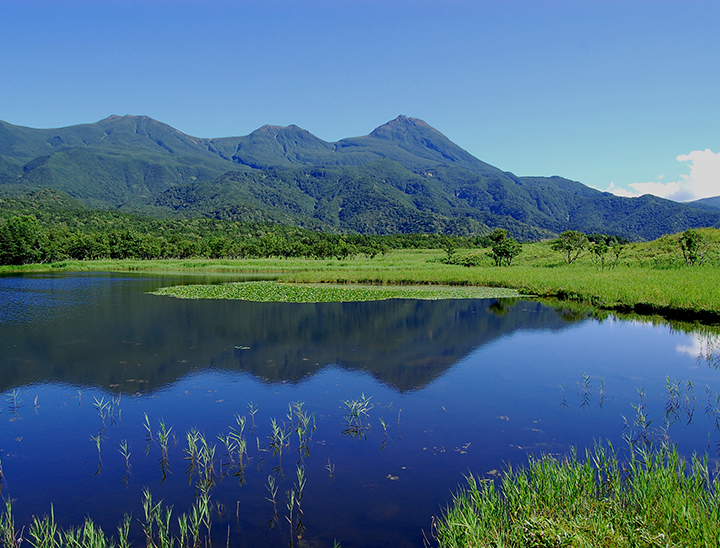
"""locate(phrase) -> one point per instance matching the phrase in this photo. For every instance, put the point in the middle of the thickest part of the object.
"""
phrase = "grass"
(649, 278)
(652, 500)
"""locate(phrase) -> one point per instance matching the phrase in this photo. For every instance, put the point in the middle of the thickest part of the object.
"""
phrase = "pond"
(368, 415)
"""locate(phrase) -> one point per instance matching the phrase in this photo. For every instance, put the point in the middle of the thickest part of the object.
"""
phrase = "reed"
(98, 444)
(586, 384)
(9, 535)
(45, 533)
(653, 499)
(385, 432)
(272, 489)
(102, 407)
(163, 437)
(13, 399)
(639, 433)
(278, 438)
(564, 402)
(207, 477)
(125, 452)
(356, 416)
(252, 410)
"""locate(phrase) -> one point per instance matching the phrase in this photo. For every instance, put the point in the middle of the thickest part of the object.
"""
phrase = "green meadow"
(649, 277)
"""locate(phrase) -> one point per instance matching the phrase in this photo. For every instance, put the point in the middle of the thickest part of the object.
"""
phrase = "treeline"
(105, 235)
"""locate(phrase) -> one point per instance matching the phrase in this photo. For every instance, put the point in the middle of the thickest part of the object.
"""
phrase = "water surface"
(460, 385)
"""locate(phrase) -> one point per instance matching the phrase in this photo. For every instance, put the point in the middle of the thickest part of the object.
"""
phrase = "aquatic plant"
(191, 453)
(98, 441)
(585, 398)
(252, 410)
(278, 438)
(272, 489)
(305, 293)
(387, 437)
(356, 416)
(652, 499)
(639, 433)
(564, 402)
(163, 436)
(13, 399)
(207, 477)
(102, 407)
(9, 536)
(157, 524)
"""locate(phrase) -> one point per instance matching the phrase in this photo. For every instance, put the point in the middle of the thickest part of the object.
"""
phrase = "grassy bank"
(650, 501)
(649, 277)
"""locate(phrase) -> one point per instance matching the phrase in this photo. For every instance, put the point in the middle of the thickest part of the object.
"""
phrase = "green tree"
(450, 247)
(21, 241)
(599, 250)
(504, 248)
(691, 244)
(571, 243)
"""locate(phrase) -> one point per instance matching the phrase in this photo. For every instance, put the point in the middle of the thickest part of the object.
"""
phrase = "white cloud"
(620, 191)
(703, 181)
(694, 349)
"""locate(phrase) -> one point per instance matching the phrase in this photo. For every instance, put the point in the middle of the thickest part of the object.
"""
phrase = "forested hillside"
(404, 177)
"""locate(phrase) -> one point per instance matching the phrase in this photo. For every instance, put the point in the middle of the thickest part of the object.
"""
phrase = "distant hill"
(707, 203)
(405, 176)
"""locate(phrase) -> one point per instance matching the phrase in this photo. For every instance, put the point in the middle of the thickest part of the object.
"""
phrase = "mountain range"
(405, 176)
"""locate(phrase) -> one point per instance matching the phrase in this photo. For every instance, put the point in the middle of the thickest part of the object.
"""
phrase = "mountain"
(707, 203)
(405, 176)
(117, 161)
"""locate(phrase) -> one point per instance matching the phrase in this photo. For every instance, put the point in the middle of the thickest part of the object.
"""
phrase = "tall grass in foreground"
(652, 500)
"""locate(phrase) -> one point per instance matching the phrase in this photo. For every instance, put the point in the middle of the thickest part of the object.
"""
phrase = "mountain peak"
(279, 130)
(401, 126)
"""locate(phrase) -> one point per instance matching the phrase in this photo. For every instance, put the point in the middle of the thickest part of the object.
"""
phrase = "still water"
(451, 387)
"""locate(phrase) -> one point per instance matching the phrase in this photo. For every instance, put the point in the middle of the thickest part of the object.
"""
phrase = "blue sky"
(609, 93)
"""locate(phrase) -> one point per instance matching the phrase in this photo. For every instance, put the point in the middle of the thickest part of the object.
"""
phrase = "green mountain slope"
(405, 176)
(116, 161)
(707, 203)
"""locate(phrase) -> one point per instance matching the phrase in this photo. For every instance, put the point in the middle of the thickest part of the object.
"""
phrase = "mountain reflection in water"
(104, 331)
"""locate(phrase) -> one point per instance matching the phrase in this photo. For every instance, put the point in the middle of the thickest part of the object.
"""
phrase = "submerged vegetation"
(653, 499)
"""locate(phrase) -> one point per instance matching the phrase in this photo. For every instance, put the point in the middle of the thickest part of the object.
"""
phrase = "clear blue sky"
(597, 91)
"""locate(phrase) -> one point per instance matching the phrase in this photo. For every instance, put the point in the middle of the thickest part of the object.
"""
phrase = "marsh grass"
(648, 277)
(356, 416)
(653, 499)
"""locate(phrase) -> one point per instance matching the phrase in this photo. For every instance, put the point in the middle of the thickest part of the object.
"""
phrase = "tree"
(599, 250)
(571, 243)
(21, 241)
(498, 235)
(691, 245)
(504, 248)
(450, 247)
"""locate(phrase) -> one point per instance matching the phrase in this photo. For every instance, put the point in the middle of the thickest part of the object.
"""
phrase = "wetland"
(316, 423)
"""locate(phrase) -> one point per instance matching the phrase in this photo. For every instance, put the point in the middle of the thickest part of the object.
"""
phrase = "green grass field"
(649, 277)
